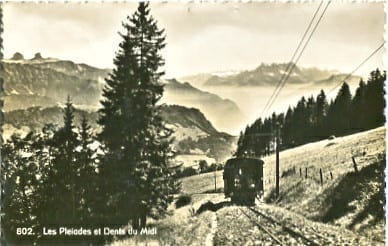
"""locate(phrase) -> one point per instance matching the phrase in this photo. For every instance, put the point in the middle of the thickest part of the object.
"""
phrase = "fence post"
(355, 165)
(215, 181)
(306, 173)
(300, 171)
(320, 174)
(331, 175)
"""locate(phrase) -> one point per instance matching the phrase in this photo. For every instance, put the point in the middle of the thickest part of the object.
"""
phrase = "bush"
(213, 167)
(203, 166)
(183, 200)
(188, 171)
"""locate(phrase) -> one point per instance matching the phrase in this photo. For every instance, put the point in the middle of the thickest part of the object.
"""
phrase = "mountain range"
(46, 82)
(223, 113)
(36, 89)
(193, 133)
(268, 75)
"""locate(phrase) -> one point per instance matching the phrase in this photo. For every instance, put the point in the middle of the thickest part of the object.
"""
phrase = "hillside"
(46, 81)
(31, 84)
(345, 210)
(349, 201)
(192, 131)
(223, 113)
(269, 75)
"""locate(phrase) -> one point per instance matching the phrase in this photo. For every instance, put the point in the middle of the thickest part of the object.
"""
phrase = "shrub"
(188, 171)
(183, 200)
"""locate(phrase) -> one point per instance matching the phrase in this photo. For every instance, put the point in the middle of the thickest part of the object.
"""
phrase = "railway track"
(280, 232)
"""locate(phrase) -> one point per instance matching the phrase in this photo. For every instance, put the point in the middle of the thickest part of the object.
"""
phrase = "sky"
(201, 37)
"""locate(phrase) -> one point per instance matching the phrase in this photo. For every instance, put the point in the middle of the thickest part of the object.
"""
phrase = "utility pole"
(277, 159)
(215, 180)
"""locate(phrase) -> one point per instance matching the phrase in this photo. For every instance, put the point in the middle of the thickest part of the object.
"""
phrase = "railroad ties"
(282, 233)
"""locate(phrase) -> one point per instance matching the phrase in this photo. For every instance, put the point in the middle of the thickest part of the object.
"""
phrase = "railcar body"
(243, 179)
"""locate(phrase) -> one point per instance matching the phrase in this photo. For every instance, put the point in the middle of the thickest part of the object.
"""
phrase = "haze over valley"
(229, 100)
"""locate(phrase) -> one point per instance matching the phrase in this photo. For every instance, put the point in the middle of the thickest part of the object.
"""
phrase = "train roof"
(247, 160)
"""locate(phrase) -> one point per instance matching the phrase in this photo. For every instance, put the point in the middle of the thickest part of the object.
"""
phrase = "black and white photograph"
(192, 123)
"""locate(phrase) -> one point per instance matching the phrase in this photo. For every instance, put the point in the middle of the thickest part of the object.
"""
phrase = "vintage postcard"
(188, 123)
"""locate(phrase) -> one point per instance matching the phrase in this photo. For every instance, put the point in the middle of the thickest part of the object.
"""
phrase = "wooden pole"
(320, 174)
(215, 181)
(355, 165)
(306, 172)
(277, 160)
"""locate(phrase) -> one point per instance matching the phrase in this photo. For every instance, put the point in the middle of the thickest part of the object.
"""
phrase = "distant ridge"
(266, 75)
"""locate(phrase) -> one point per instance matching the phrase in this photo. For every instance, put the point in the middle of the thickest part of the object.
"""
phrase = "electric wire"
(292, 58)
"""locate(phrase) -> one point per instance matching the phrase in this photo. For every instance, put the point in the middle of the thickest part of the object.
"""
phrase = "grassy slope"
(307, 197)
(202, 183)
(182, 227)
(354, 201)
(349, 200)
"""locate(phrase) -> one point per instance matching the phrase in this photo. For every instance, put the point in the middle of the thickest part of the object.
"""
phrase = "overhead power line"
(360, 65)
(292, 58)
(299, 56)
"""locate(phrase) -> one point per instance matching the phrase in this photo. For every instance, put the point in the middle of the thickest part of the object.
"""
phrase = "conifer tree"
(21, 181)
(137, 146)
(311, 120)
(287, 133)
(359, 108)
(339, 113)
(61, 195)
(300, 121)
(320, 114)
(375, 99)
(86, 182)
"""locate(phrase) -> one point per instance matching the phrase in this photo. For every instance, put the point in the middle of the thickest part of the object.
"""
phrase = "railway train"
(243, 179)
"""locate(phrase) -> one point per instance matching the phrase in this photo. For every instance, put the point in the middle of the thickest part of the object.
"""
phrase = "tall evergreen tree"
(137, 179)
(359, 108)
(339, 114)
(375, 101)
(287, 133)
(240, 145)
(311, 120)
(61, 196)
(21, 171)
(86, 181)
(300, 121)
(320, 114)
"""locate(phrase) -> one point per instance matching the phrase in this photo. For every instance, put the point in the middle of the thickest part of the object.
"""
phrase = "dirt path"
(213, 230)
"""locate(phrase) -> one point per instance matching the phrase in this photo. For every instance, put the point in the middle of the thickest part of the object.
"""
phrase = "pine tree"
(339, 113)
(136, 141)
(86, 182)
(288, 138)
(320, 114)
(21, 174)
(240, 145)
(60, 194)
(311, 120)
(300, 121)
(375, 100)
(359, 108)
